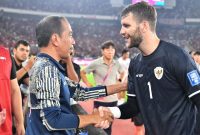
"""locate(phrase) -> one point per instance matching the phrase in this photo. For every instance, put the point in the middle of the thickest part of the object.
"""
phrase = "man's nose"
(73, 41)
(122, 31)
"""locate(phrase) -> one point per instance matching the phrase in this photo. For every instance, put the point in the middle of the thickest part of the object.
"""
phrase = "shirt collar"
(57, 64)
(102, 61)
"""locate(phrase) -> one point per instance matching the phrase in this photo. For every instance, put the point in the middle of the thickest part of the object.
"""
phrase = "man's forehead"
(110, 47)
(23, 46)
(127, 16)
(67, 25)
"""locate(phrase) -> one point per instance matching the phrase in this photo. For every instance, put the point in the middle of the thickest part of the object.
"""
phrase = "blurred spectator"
(10, 99)
(105, 70)
(197, 59)
(21, 53)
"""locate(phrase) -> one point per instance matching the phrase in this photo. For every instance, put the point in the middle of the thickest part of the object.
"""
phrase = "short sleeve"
(91, 67)
(13, 69)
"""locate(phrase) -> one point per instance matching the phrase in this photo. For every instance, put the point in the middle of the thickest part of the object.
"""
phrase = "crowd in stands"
(186, 36)
(90, 33)
(184, 8)
(13, 28)
(100, 7)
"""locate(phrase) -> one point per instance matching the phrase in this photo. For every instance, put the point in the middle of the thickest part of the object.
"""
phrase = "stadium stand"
(174, 25)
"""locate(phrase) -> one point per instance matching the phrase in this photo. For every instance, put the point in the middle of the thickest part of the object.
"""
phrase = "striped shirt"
(45, 87)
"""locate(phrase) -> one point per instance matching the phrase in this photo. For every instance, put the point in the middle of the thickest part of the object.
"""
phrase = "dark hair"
(48, 26)
(107, 44)
(197, 53)
(124, 51)
(23, 42)
(191, 52)
(142, 11)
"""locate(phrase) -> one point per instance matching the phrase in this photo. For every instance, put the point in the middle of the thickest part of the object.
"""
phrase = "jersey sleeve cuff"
(115, 111)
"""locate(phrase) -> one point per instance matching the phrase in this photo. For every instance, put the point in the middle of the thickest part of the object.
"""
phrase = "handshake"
(103, 117)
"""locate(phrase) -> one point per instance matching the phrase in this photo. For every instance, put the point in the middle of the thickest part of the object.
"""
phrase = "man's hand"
(2, 116)
(20, 129)
(106, 117)
(30, 62)
(95, 119)
(67, 59)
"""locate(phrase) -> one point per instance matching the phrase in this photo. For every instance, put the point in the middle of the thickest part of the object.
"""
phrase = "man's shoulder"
(18, 67)
(173, 52)
(137, 57)
(42, 61)
(2, 48)
(42, 64)
(169, 47)
(4, 52)
(97, 61)
(100, 59)
(116, 62)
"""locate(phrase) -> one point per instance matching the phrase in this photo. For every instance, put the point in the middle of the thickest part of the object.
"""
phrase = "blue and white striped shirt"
(50, 93)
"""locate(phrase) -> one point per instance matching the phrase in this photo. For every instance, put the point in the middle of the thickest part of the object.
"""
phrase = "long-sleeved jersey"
(50, 93)
(164, 84)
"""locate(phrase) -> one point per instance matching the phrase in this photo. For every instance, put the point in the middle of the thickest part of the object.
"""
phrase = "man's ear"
(55, 39)
(14, 50)
(101, 51)
(144, 26)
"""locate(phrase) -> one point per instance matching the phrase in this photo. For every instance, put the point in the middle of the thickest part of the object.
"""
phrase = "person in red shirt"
(10, 98)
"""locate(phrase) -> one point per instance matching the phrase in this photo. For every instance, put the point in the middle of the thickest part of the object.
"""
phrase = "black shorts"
(138, 121)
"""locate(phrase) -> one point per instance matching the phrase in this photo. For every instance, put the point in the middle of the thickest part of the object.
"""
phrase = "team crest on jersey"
(158, 72)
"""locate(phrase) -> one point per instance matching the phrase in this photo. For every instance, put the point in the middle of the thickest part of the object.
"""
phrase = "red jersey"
(5, 91)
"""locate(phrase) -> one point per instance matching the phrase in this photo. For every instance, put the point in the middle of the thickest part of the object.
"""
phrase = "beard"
(136, 39)
(20, 60)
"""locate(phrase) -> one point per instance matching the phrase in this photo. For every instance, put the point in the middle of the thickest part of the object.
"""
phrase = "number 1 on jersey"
(150, 91)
